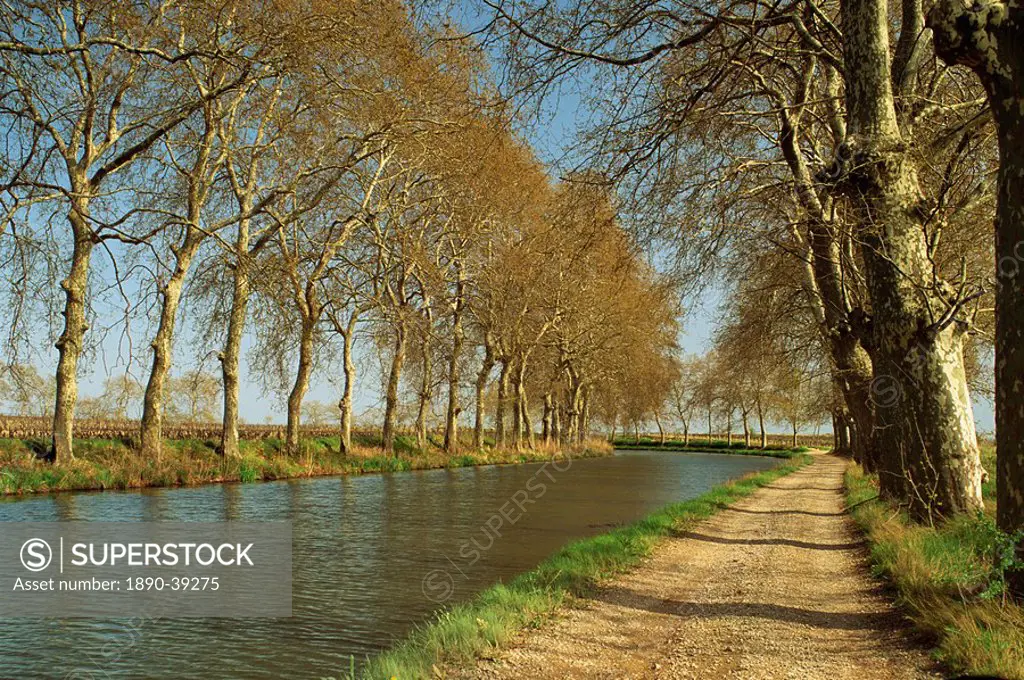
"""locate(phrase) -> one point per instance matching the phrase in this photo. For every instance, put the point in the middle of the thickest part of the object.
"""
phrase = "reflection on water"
(372, 556)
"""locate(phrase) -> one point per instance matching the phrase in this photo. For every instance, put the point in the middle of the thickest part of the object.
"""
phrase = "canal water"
(372, 557)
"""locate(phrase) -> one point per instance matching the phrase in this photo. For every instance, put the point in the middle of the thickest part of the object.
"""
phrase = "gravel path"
(772, 587)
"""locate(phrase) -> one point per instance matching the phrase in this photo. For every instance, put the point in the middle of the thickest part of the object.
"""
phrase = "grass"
(705, 446)
(949, 579)
(464, 632)
(115, 464)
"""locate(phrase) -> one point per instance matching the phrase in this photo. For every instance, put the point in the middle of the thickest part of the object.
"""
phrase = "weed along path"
(772, 587)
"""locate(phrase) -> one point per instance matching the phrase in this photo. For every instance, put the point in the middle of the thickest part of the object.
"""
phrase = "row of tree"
(300, 176)
(874, 145)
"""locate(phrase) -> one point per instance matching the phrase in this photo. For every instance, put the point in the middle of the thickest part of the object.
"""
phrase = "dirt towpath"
(772, 587)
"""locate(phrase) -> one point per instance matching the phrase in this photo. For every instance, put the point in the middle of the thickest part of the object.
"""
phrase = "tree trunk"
(794, 434)
(517, 405)
(481, 386)
(661, 430)
(924, 420)
(686, 433)
(230, 358)
(151, 434)
(387, 443)
(584, 416)
(546, 420)
(710, 440)
(990, 42)
(843, 436)
(451, 420)
(299, 387)
(524, 405)
(728, 429)
(760, 424)
(499, 419)
(427, 377)
(556, 424)
(1010, 323)
(345, 405)
(746, 429)
(69, 345)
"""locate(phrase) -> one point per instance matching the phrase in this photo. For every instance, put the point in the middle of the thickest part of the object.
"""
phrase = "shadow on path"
(852, 621)
(771, 541)
(784, 512)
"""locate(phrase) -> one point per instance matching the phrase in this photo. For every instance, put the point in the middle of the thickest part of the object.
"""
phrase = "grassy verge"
(948, 579)
(705, 446)
(466, 631)
(115, 464)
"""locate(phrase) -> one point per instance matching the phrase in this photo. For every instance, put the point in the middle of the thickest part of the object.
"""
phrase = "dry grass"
(948, 579)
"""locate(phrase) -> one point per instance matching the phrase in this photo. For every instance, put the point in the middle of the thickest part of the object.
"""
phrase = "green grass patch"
(115, 464)
(464, 632)
(949, 579)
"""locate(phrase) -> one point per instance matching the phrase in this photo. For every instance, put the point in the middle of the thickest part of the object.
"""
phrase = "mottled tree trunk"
(556, 424)
(760, 425)
(426, 380)
(686, 433)
(230, 358)
(987, 37)
(1010, 325)
(151, 430)
(746, 429)
(517, 405)
(523, 404)
(574, 410)
(661, 430)
(451, 420)
(345, 405)
(842, 427)
(299, 387)
(391, 394)
(924, 420)
(585, 416)
(69, 345)
(482, 378)
(850, 361)
(499, 417)
(546, 420)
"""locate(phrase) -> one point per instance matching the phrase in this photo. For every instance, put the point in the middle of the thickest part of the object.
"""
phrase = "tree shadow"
(803, 488)
(856, 545)
(849, 621)
(785, 512)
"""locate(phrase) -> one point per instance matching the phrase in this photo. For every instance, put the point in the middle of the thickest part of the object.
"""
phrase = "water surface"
(372, 556)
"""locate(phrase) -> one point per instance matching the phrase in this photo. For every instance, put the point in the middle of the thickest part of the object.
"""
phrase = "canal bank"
(103, 464)
(460, 636)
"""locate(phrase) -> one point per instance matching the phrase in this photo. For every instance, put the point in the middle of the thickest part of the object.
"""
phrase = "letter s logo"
(36, 554)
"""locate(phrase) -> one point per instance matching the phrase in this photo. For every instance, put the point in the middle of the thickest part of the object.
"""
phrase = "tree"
(85, 86)
(26, 392)
(775, 61)
(986, 38)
